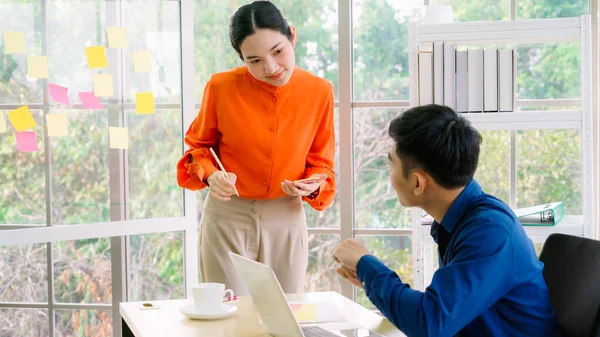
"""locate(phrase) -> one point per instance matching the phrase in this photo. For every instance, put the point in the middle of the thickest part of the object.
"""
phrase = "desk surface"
(168, 321)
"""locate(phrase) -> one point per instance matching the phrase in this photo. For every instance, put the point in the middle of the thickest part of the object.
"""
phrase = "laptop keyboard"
(315, 331)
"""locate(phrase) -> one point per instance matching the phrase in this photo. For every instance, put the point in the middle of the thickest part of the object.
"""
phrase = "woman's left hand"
(303, 189)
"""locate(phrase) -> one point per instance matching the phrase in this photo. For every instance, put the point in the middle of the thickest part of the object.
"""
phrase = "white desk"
(168, 321)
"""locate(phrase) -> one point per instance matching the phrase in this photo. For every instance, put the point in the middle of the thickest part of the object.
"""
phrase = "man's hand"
(302, 189)
(349, 253)
(349, 275)
(222, 185)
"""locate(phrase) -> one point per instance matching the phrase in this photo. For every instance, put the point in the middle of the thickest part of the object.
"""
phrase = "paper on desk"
(316, 312)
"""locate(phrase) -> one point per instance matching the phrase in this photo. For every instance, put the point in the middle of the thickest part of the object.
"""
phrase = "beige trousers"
(272, 232)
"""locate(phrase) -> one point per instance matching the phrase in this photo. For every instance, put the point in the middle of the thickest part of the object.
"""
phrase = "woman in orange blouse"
(271, 124)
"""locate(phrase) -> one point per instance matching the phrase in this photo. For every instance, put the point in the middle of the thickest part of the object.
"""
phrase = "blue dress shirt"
(489, 283)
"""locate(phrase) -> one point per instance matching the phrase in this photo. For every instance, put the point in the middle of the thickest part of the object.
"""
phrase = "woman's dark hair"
(256, 15)
(439, 141)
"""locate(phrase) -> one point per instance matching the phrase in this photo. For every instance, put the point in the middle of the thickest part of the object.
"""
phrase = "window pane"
(396, 253)
(71, 28)
(80, 174)
(538, 76)
(23, 322)
(156, 271)
(380, 31)
(330, 217)
(549, 168)
(23, 274)
(15, 86)
(321, 274)
(82, 271)
(376, 203)
(23, 177)
(316, 27)
(154, 27)
(83, 323)
(493, 170)
(154, 149)
(480, 10)
(536, 9)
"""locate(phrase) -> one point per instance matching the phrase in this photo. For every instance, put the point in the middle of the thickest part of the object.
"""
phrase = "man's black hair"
(438, 140)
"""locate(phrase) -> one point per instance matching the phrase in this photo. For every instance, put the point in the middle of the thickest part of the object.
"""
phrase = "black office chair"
(572, 272)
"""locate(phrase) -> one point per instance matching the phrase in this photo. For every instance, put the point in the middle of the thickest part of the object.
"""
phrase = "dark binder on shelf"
(541, 215)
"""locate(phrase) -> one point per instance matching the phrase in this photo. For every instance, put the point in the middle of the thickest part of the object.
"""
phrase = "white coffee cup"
(208, 297)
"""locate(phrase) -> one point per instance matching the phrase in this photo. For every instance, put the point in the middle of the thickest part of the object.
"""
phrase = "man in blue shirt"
(490, 281)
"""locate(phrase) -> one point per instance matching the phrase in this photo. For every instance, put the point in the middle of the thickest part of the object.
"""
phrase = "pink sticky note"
(26, 141)
(90, 101)
(59, 94)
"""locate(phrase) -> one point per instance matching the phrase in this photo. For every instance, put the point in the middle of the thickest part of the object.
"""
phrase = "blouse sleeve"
(202, 134)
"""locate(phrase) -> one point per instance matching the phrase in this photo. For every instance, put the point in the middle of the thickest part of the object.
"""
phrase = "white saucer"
(190, 311)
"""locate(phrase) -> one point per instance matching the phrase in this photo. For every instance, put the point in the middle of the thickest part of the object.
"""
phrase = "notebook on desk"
(272, 306)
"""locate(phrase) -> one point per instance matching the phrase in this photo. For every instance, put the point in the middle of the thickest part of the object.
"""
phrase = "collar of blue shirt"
(459, 206)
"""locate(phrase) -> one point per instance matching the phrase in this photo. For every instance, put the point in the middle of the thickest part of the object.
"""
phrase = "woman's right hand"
(222, 185)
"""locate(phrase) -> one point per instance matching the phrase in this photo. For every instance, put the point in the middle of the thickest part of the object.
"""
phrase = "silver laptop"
(272, 306)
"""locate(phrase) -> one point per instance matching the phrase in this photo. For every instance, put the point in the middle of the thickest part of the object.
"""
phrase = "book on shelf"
(462, 96)
(541, 215)
(490, 80)
(425, 61)
(449, 75)
(475, 79)
(505, 81)
(438, 73)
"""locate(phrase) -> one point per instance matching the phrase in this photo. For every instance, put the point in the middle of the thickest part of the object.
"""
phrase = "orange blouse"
(264, 134)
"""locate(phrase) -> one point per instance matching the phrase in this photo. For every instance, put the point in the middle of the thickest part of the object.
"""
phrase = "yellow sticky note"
(118, 137)
(141, 61)
(14, 42)
(305, 312)
(37, 66)
(96, 57)
(2, 123)
(117, 37)
(103, 85)
(57, 124)
(144, 103)
(21, 119)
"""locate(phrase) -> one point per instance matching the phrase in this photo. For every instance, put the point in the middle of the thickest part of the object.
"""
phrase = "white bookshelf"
(513, 33)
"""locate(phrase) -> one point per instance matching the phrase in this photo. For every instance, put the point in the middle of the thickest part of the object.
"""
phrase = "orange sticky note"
(103, 85)
(96, 57)
(21, 119)
(118, 137)
(141, 61)
(144, 103)
(117, 37)
(57, 124)
(37, 66)
(14, 42)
